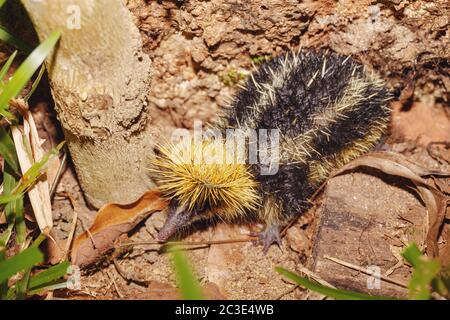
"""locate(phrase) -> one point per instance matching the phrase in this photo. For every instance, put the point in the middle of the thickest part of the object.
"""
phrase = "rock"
(362, 218)
(213, 34)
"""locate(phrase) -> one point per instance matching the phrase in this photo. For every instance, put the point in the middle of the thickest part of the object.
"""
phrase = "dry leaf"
(29, 150)
(395, 164)
(111, 221)
(47, 128)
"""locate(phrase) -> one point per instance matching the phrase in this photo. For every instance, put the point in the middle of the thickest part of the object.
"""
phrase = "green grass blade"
(37, 242)
(9, 183)
(6, 234)
(7, 65)
(14, 209)
(2, 2)
(26, 70)
(338, 294)
(20, 289)
(35, 171)
(55, 285)
(412, 254)
(30, 177)
(4, 239)
(187, 283)
(26, 259)
(11, 294)
(35, 83)
(425, 272)
(10, 197)
(11, 39)
(4, 284)
(48, 276)
(20, 227)
(8, 150)
(22, 285)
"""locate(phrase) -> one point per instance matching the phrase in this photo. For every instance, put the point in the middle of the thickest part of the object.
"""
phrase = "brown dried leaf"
(29, 150)
(397, 165)
(111, 221)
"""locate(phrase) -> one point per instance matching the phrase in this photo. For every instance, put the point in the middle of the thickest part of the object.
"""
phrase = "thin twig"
(74, 226)
(436, 155)
(180, 243)
(88, 233)
(287, 292)
(52, 239)
(315, 276)
(115, 285)
(360, 269)
(285, 229)
(58, 174)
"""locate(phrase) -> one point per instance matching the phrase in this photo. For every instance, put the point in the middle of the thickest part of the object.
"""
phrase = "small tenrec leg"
(269, 236)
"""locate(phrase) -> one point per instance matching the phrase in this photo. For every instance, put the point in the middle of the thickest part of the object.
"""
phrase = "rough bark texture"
(99, 79)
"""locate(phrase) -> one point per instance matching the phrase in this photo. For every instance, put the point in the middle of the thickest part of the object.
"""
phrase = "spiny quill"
(208, 182)
(328, 108)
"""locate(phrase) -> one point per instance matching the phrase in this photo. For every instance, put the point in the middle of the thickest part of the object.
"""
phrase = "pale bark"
(99, 78)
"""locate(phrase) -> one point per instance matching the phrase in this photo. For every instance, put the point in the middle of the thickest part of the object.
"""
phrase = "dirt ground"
(200, 51)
